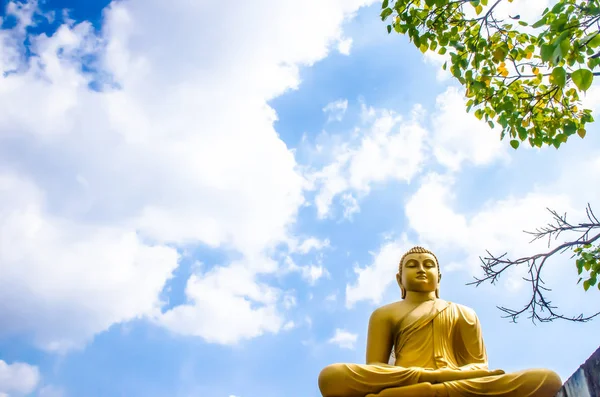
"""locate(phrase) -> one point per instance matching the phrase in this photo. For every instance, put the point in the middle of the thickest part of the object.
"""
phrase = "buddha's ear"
(399, 281)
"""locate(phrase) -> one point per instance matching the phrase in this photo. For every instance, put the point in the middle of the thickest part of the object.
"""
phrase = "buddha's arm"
(469, 347)
(379, 338)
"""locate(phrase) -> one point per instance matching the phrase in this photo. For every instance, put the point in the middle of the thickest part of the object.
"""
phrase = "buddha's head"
(419, 270)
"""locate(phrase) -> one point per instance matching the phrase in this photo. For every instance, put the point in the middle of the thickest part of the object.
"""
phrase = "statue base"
(585, 382)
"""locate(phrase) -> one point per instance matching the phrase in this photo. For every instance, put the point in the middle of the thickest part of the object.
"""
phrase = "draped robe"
(438, 334)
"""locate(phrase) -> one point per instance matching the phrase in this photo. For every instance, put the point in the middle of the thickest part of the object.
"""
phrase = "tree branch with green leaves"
(526, 76)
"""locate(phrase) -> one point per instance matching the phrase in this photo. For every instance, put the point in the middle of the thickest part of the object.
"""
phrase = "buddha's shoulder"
(465, 311)
(388, 311)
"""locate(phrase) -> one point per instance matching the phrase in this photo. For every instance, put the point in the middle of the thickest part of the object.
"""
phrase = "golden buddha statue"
(437, 345)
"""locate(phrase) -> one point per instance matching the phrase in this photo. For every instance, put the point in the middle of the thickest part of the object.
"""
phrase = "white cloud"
(310, 244)
(54, 268)
(458, 137)
(289, 301)
(51, 391)
(111, 177)
(344, 46)
(497, 226)
(308, 321)
(437, 60)
(591, 99)
(336, 110)
(430, 213)
(314, 272)
(350, 205)
(344, 339)
(388, 148)
(374, 279)
(311, 273)
(226, 305)
(530, 11)
(289, 325)
(18, 378)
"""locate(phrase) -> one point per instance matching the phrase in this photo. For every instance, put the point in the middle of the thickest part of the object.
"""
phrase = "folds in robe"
(440, 334)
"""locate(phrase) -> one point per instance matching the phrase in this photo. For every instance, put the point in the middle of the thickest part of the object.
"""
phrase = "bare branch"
(540, 308)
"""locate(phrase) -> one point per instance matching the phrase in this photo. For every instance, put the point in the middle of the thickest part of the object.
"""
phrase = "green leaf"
(385, 4)
(389, 29)
(570, 128)
(558, 7)
(539, 23)
(500, 52)
(582, 78)
(586, 285)
(546, 51)
(595, 42)
(514, 143)
(456, 72)
(477, 86)
(559, 76)
(564, 46)
(386, 13)
(561, 47)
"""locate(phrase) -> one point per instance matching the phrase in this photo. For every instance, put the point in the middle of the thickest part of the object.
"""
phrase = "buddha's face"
(419, 273)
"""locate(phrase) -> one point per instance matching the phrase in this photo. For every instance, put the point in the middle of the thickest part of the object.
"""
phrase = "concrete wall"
(585, 382)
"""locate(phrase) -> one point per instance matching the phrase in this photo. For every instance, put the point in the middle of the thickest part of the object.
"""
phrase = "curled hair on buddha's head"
(418, 250)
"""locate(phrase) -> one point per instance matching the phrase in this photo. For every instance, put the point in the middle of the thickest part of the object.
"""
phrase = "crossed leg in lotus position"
(431, 384)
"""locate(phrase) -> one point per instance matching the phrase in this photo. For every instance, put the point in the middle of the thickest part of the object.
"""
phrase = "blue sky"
(207, 201)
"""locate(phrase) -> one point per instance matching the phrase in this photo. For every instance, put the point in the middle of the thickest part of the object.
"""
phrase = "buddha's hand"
(448, 374)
